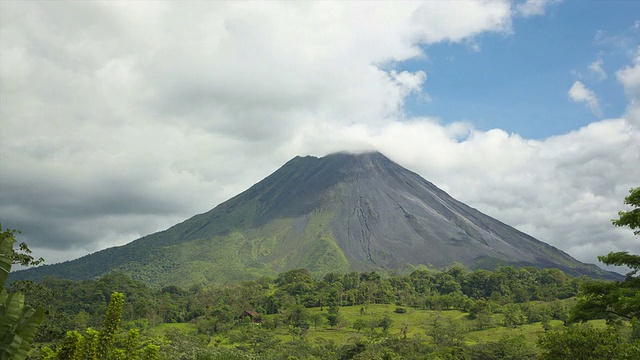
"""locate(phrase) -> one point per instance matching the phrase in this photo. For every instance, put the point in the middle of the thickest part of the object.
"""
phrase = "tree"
(585, 342)
(615, 299)
(132, 342)
(505, 348)
(297, 315)
(72, 346)
(111, 324)
(630, 218)
(513, 315)
(18, 322)
(316, 318)
(333, 314)
(385, 323)
(484, 319)
(23, 255)
(359, 324)
(98, 345)
(101, 345)
(478, 307)
(446, 333)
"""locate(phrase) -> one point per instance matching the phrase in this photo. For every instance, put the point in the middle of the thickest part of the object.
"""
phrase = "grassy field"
(415, 322)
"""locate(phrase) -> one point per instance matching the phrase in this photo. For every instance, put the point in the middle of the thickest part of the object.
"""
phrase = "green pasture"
(416, 323)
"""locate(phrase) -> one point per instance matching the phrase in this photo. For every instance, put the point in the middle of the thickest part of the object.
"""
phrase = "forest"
(452, 313)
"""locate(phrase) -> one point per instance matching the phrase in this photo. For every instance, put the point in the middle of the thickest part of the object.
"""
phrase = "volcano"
(338, 213)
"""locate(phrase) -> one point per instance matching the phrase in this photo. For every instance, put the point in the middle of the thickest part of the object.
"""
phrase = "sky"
(120, 119)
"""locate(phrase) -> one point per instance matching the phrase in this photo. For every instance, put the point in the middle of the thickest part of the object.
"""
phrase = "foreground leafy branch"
(612, 300)
(18, 321)
(100, 345)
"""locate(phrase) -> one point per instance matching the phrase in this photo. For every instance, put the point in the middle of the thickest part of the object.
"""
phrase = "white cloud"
(630, 77)
(580, 93)
(534, 7)
(120, 119)
(596, 68)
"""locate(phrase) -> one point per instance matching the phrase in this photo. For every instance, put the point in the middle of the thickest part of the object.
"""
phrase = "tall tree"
(615, 299)
(18, 321)
(111, 324)
(630, 218)
(333, 301)
(585, 342)
(101, 345)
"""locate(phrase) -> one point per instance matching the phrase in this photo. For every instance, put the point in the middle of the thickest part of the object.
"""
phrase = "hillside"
(338, 213)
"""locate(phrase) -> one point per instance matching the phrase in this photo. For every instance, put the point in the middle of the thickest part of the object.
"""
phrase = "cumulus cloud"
(580, 93)
(121, 119)
(630, 77)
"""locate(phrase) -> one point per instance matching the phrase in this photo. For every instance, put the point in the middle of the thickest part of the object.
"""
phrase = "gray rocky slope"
(389, 216)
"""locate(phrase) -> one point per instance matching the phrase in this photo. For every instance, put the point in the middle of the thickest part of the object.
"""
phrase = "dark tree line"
(75, 305)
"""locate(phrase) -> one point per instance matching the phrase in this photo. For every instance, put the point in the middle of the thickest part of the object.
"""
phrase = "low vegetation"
(448, 314)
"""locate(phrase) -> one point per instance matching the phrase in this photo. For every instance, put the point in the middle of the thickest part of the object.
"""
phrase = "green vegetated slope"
(240, 255)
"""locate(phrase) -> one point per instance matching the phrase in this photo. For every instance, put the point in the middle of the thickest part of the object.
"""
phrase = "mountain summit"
(338, 213)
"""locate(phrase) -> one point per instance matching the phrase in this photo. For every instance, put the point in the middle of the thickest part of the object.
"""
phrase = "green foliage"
(151, 352)
(110, 325)
(512, 348)
(585, 343)
(208, 317)
(72, 347)
(47, 354)
(446, 333)
(118, 354)
(333, 301)
(18, 321)
(227, 253)
(23, 256)
(131, 344)
(91, 338)
(615, 299)
(101, 345)
(385, 323)
(297, 315)
(316, 319)
(630, 218)
(513, 315)
(181, 344)
(478, 307)
(484, 319)
(359, 324)
(623, 259)
(608, 300)
(333, 316)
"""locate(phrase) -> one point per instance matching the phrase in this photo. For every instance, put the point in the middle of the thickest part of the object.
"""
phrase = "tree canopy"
(18, 322)
(615, 299)
(630, 218)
